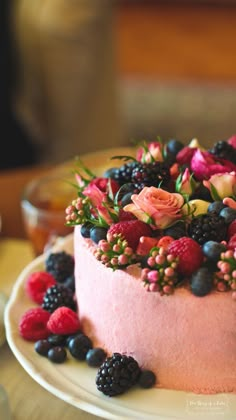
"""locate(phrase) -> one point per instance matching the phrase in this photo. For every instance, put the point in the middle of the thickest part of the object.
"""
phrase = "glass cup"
(43, 207)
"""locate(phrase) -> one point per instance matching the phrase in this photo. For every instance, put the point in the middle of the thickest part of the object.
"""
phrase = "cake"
(155, 262)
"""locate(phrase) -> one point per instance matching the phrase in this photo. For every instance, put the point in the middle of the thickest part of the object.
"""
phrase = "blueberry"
(57, 340)
(85, 229)
(228, 214)
(110, 173)
(176, 231)
(97, 233)
(95, 357)
(147, 379)
(215, 207)
(57, 354)
(212, 250)
(170, 158)
(79, 346)
(201, 282)
(42, 347)
(174, 146)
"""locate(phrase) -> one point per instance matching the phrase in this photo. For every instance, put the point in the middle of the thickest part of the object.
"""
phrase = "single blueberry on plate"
(95, 357)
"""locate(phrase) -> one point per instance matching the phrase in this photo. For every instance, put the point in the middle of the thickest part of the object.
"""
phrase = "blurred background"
(82, 75)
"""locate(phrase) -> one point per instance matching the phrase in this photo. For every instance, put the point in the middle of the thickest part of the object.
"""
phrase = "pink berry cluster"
(115, 252)
(225, 278)
(162, 275)
(76, 211)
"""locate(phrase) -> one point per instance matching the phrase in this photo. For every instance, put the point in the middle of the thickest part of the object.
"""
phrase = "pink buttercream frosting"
(188, 341)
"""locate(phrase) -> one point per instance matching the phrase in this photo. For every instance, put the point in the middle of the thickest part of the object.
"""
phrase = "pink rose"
(156, 206)
(105, 184)
(221, 185)
(95, 195)
(185, 155)
(185, 184)
(205, 164)
(153, 152)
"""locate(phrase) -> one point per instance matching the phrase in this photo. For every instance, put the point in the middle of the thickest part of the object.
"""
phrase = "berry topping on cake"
(117, 374)
(189, 254)
(160, 275)
(171, 197)
(151, 174)
(115, 252)
(130, 230)
(201, 282)
(63, 321)
(57, 296)
(231, 229)
(33, 324)
(208, 227)
(37, 284)
(60, 265)
(226, 276)
(224, 150)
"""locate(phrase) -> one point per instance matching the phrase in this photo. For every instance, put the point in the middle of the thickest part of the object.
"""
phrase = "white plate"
(74, 382)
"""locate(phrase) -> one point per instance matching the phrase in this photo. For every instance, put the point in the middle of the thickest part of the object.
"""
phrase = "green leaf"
(125, 158)
(214, 193)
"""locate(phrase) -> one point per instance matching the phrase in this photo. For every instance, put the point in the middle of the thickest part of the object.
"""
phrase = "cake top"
(170, 208)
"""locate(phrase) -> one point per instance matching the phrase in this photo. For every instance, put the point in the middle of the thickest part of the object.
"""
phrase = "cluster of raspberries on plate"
(54, 327)
(172, 210)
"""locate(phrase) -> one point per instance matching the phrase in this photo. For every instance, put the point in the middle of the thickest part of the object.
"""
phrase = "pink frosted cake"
(155, 262)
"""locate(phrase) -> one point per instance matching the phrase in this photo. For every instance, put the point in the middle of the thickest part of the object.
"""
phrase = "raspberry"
(131, 230)
(125, 215)
(232, 242)
(146, 243)
(231, 229)
(33, 324)
(189, 253)
(63, 321)
(165, 241)
(37, 284)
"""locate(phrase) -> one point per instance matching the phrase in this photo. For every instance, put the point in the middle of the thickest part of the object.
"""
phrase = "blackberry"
(57, 296)
(117, 374)
(60, 265)
(208, 227)
(223, 150)
(156, 174)
(123, 174)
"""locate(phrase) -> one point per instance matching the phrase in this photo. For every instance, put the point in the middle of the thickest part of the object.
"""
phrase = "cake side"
(189, 342)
